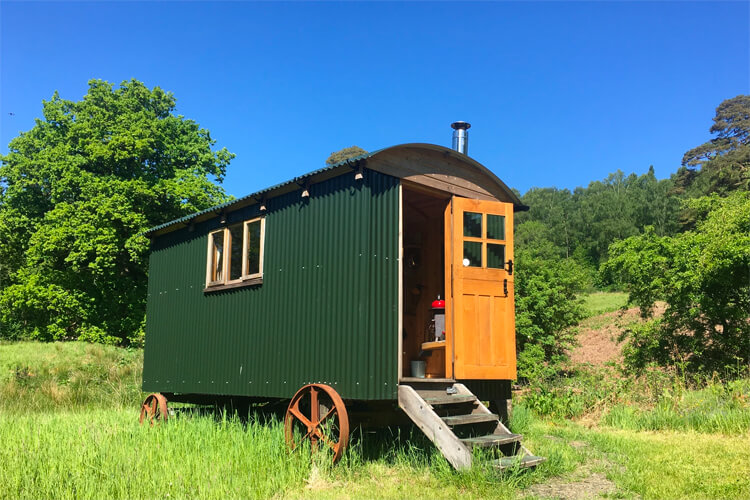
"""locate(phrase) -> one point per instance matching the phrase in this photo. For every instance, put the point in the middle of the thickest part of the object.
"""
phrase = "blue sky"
(558, 94)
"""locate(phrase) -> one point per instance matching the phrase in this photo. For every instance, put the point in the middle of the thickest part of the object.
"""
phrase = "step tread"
(526, 461)
(474, 418)
(418, 380)
(492, 440)
(448, 399)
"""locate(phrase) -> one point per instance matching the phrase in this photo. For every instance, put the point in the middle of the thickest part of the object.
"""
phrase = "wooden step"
(474, 418)
(417, 380)
(525, 461)
(448, 399)
(492, 440)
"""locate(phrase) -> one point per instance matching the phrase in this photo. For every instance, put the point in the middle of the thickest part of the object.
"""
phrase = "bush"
(704, 276)
(547, 307)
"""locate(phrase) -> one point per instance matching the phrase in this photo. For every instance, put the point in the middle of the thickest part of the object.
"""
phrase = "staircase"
(456, 421)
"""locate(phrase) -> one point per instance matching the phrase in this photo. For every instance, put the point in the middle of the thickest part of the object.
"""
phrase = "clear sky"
(558, 94)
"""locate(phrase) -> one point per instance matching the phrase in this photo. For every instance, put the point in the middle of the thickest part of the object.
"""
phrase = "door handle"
(510, 267)
(505, 287)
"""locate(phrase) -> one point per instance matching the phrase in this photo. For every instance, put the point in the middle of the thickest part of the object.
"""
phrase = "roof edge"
(351, 163)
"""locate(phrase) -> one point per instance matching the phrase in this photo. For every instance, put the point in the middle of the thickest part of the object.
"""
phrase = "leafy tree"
(721, 165)
(345, 154)
(704, 277)
(79, 189)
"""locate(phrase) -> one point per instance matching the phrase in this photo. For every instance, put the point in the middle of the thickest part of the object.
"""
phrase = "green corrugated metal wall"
(327, 310)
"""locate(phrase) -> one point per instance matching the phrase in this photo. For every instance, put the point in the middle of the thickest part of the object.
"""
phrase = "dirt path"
(598, 336)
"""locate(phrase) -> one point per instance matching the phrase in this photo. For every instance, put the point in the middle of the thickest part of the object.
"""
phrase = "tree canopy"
(345, 154)
(78, 190)
(721, 165)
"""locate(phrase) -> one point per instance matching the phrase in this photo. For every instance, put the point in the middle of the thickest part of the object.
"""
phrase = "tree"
(80, 188)
(345, 154)
(721, 165)
(704, 276)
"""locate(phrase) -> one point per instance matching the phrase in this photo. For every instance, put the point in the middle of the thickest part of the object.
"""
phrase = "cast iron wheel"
(154, 409)
(317, 413)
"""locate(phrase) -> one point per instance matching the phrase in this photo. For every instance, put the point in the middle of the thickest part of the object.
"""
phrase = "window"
(484, 240)
(235, 254)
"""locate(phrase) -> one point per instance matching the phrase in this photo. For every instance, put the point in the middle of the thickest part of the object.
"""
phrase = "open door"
(480, 314)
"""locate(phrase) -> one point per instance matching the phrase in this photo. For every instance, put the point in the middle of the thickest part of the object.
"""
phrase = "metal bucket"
(418, 368)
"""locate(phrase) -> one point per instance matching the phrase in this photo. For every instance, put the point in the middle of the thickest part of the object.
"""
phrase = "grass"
(717, 408)
(36, 376)
(603, 302)
(667, 464)
(68, 425)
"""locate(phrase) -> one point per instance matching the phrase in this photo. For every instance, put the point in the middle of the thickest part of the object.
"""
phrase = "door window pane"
(217, 262)
(473, 224)
(495, 227)
(495, 256)
(235, 264)
(253, 247)
(472, 254)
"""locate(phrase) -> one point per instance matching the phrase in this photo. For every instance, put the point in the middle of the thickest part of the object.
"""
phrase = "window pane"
(473, 224)
(472, 254)
(495, 227)
(235, 264)
(253, 247)
(495, 256)
(217, 263)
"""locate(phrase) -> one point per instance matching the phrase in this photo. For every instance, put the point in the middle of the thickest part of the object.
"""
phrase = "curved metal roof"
(490, 181)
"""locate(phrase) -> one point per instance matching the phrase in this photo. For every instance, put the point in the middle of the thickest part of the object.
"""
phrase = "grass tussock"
(36, 376)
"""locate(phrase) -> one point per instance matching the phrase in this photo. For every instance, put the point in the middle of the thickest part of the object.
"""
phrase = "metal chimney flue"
(461, 136)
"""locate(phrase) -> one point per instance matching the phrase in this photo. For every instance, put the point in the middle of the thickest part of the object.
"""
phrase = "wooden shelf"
(426, 346)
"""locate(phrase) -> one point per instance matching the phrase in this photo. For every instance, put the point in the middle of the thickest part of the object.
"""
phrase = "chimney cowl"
(461, 136)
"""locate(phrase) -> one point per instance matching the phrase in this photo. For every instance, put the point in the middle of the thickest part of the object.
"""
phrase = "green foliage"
(79, 189)
(546, 308)
(721, 165)
(704, 276)
(582, 224)
(345, 154)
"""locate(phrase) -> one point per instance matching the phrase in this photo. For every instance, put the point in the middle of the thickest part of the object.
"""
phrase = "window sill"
(232, 286)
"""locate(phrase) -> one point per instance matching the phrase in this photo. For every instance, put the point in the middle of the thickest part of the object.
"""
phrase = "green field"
(603, 302)
(69, 429)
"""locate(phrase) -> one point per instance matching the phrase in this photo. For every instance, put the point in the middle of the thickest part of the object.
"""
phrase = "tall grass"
(717, 408)
(36, 376)
(106, 454)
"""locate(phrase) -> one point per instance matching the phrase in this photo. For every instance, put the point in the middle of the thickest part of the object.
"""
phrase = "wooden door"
(480, 313)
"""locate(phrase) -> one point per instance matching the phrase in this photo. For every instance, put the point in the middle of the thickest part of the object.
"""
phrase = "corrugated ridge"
(326, 312)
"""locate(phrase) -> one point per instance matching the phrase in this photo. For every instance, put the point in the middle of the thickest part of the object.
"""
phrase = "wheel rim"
(318, 414)
(154, 409)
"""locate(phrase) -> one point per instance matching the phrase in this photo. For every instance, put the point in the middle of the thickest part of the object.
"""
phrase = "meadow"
(69, 429)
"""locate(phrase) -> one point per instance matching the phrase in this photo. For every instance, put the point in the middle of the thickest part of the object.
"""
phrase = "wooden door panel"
(480, 310)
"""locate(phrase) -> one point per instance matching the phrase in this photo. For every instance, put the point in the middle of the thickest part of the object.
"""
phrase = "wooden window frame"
(245, 279)
(484, 240)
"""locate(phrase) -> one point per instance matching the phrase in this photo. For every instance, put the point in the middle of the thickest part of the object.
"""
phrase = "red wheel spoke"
(314, 407)
(330, 443)
(330, 412)
(301, 418)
